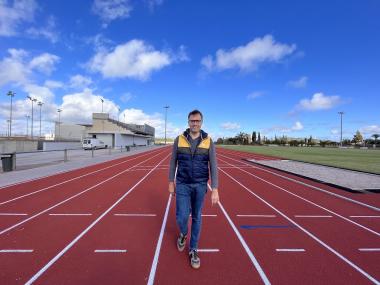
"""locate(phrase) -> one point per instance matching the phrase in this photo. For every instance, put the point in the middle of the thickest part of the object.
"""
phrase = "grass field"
(357, 159)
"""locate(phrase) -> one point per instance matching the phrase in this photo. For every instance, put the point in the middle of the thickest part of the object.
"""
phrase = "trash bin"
(7, 162)
(128, 148)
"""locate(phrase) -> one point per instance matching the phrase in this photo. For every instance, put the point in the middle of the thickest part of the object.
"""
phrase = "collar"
(187, 134)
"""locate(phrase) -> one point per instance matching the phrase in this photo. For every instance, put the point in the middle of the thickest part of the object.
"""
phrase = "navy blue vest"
(193, 167)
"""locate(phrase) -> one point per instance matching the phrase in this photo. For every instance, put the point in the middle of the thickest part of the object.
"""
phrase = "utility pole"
(341, 127)
(118, 114)
(10, 94)
(101, 99)
(32, 100)
(59, 122)
(166, 117)
(40, 104)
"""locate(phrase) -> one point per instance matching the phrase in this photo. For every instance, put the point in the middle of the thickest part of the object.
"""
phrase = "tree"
(259, 138)
(375, 136)
(253, 137)
(358, 138)
(219, 141)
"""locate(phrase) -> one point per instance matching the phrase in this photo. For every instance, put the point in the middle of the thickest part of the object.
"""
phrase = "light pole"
(32, 100)
(40, 104)
(27, 124)
(101, 99)
(341, 127)
(59, 122)
(10, 94)
(118, 114)
(166, 117)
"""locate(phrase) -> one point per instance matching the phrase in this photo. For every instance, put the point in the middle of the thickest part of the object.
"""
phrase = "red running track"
(114, 223)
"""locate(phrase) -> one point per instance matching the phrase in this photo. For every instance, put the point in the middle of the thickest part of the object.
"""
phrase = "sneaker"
(181, 242)
(195, 261)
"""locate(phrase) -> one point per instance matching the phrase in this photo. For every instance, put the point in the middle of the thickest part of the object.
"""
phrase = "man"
(193, 155)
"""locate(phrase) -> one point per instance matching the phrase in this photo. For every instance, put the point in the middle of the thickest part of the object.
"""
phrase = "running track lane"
(47, 234)
(339, 234)
(33, 204)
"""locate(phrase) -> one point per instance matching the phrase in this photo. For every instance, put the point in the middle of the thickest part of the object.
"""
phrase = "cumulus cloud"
(297, 126)
(248, 57)
(255, 95)
(53, 84)
(230, 126)
(110, 10)
(134, 59)
(80, 81)
(370, 130)
(299, 83)
(319, 102)
(14, 13)
(44, 63)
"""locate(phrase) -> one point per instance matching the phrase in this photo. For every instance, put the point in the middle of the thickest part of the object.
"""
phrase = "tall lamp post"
(27, 125)
(166, 117)
(101, 99)
(10, 94)
(40, 105)
(341, 127)
(32, 100)
(59, 122)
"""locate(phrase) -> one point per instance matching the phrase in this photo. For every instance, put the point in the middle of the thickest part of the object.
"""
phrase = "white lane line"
(69, 180)
(208, 250)
(16, 250)
(256, 216)
(308, 185)
(159, 243)
(13, 214)
(290, 250)
(310, 202)
(71, 244)
(259, 269)
(353, 265)
(135, 215)
(369, 249)
(312, 216)
(364, 216)
(70, 214)
(70, 198)
(206, 215)
(110, 250)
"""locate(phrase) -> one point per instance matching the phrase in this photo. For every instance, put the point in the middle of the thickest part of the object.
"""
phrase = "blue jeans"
(190, 197)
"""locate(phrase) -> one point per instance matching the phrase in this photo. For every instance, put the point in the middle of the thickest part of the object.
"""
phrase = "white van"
(92, 143)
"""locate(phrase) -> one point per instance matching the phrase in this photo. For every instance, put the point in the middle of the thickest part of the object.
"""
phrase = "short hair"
(195, 112)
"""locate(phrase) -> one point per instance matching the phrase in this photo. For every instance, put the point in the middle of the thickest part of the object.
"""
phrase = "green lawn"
(358, 159)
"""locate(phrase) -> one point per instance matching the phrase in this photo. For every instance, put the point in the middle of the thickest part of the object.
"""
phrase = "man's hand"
(214, 196)
(172, 188)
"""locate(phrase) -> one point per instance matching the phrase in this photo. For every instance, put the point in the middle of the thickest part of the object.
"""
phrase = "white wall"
(61, 145)
(7, 146)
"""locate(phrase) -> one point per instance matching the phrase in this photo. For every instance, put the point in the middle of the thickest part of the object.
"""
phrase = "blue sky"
(278, 67)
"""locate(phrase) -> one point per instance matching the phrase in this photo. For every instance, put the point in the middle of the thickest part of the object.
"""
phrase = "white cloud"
(44, 63)
(248, 57)
(370, 130)
(299, 83)
(319, 102)
(13, 68)
(13, 15)
(255, 95)
(230, 126)
(110, 10)
(80, 81)
(53, 84)
(41, 93)
(126, 97)
(48, 31)
(134, 59)
(334, 131)
(297, 126)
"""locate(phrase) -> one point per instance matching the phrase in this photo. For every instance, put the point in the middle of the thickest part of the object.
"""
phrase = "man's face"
(195, 123)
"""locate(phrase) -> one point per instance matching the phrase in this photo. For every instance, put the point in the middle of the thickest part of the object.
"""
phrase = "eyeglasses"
(195, 121)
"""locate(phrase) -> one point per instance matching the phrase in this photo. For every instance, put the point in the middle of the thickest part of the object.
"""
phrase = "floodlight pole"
(40, 104)
(341, 127)
(59, 122)
(166, 117)
(10, 94)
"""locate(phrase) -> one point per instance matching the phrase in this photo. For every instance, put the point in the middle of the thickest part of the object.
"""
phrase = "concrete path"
(354, 180)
